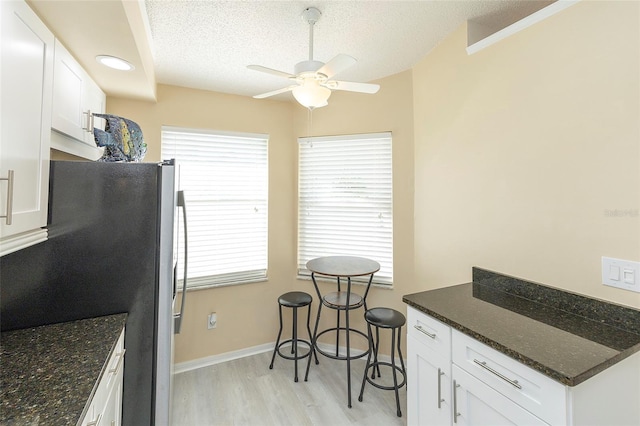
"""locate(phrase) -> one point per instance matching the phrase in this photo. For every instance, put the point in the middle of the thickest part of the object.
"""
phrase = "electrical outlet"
(620, 273)
(212, 320)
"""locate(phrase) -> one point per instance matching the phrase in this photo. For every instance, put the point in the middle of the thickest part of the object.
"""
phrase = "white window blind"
(225, 180)
(345, 200)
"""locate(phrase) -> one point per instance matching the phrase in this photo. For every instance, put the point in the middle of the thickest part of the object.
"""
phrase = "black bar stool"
(295, 300)
(384, 318)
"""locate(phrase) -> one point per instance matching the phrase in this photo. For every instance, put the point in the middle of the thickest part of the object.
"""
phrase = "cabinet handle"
(440, 400)
(96, 422)
(86, 113)
(9, 180)
(455, 402)
(91, 122)
(120, 358)
(484, 365)
(422, 330)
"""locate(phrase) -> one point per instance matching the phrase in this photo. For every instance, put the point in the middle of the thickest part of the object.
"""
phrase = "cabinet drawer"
(528, 388)
(430, 332)
(475, 403)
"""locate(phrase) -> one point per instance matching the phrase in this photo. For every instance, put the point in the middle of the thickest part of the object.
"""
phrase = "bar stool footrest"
(305, 342)
(388, 364)
(340, 357)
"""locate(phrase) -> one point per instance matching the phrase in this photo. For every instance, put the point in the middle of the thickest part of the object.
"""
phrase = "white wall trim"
(19, 241)
(542, 14)
(224, 357)
(208, 361)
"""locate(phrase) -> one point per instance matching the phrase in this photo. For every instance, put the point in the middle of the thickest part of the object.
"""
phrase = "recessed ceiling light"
(115, 63)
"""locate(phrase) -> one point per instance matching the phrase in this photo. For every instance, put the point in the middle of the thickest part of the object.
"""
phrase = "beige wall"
(388, 110)
(519, 152)
(247, 314)
(523, 149)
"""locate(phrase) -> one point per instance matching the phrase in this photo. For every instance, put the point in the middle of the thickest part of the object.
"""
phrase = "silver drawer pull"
(422, 330)
(512, 382)
(455, 402)
(121, 357)
(9, 180)
(440, 400)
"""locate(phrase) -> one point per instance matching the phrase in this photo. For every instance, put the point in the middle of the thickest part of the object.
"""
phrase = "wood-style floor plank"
(246, 392)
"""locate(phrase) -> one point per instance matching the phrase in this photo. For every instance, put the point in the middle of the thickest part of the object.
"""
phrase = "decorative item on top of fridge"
(122, 140)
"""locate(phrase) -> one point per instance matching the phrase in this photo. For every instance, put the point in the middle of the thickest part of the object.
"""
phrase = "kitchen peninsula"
(523, 334)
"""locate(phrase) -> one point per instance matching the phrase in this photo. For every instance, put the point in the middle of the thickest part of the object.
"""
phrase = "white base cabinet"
(430, 386)
(26, 81)
(478, 385)
(429, 364)
(105, 407)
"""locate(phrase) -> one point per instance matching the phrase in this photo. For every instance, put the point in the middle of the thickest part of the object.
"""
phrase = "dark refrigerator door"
(102, 257)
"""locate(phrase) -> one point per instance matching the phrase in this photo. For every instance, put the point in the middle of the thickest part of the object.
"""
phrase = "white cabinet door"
(112, 411)
(429, 387)
(27, 76)
(75, 97)
(68, 85)
(475, 403)
(105, 408)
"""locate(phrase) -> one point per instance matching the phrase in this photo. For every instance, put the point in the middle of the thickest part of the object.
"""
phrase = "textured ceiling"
(208, 44)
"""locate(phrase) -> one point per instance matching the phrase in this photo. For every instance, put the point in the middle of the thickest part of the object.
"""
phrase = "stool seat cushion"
(338, 299)
(295, 299)
(384, 317)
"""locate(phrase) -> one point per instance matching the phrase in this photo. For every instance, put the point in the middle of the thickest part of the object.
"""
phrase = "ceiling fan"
(313, 80)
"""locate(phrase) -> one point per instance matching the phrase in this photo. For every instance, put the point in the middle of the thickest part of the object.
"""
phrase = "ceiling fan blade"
(275, 92)
(351, 86)
(336, 65)
(270, 71)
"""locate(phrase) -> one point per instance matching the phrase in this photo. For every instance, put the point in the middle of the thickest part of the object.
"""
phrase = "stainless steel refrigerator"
(111, 249)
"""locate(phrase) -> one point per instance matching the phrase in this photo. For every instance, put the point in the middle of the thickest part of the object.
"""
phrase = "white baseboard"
(224, 357)
(254, 350)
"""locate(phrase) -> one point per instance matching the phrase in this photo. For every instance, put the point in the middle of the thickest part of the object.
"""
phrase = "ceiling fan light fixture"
(314, 79)
(311, 94)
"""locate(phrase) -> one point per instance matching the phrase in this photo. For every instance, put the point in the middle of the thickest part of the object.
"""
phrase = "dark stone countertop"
(563, 335)
(48, 373)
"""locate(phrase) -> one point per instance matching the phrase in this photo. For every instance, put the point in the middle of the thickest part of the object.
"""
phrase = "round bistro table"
(341, 267)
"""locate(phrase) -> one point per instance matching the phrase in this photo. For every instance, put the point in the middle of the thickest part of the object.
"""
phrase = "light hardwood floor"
(246, 392)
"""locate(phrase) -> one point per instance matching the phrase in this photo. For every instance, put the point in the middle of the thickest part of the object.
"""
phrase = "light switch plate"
(620, 273)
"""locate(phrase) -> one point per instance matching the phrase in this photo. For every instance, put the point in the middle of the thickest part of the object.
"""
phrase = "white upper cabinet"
(75, 97)
(26, 93)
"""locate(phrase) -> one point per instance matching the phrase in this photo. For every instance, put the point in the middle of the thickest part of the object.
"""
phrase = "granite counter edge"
(105, 366)
(549, 372)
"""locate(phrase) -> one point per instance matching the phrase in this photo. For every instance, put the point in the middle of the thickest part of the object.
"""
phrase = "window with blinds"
(345, 200)
(225, 181)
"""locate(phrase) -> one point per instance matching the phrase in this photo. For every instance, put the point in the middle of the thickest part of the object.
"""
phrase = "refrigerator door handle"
(177, 317)
(175, 282)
